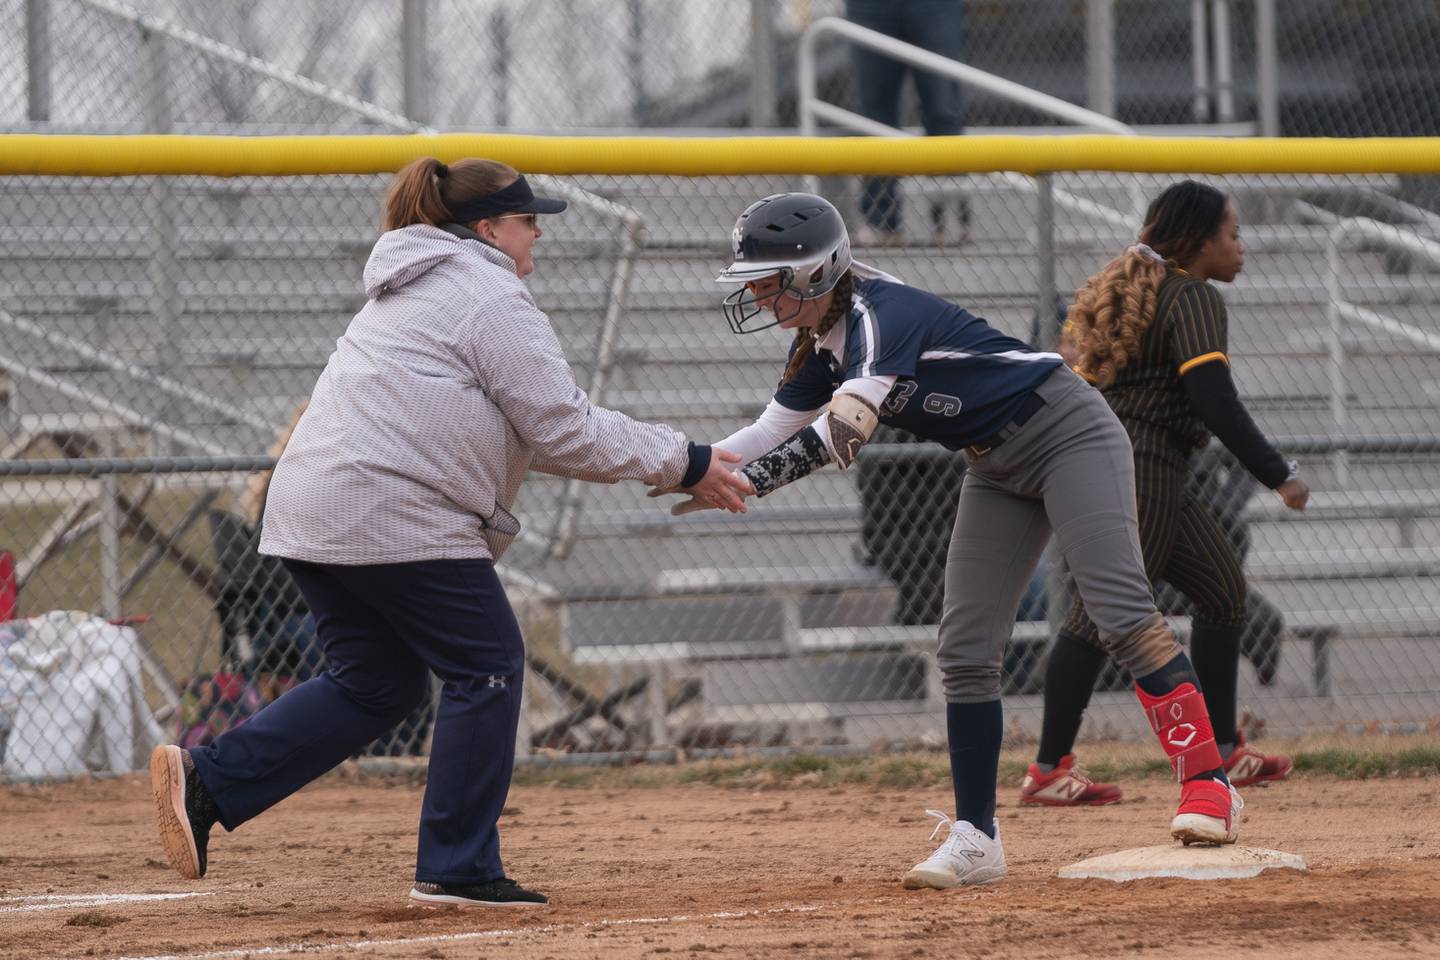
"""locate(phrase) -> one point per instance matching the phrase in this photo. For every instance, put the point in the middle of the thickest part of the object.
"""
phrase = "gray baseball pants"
(1068, 470)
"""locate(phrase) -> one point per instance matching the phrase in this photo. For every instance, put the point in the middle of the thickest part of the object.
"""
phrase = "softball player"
(390, 507)
(1152, 332)
(1045, 455)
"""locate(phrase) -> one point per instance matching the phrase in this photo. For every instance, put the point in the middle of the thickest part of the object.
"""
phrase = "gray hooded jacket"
(445, 386)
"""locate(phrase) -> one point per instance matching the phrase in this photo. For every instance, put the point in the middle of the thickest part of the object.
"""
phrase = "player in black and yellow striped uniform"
(1151, 331)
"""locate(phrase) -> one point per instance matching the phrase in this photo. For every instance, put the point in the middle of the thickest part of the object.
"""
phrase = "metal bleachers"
(253, 312)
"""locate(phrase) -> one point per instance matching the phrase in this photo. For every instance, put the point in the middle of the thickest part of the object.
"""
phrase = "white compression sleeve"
(778, 423)
(775, 426)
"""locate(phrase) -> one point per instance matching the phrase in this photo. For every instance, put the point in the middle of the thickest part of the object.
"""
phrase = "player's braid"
(805, 337)
(1112, 312)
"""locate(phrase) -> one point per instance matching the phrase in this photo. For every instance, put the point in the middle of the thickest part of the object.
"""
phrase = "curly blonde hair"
(805, 337)
(1111, 314)
(1116, 306)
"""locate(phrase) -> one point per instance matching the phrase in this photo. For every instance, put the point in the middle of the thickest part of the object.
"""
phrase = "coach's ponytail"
(805, 337)
(424, 190)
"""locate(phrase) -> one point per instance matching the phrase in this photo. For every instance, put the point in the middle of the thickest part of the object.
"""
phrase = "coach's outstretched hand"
(720, 489)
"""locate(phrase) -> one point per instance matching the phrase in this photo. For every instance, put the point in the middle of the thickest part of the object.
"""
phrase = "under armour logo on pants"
(496, 681)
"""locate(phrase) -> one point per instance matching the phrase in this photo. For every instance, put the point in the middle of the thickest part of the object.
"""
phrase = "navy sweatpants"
(384, 628)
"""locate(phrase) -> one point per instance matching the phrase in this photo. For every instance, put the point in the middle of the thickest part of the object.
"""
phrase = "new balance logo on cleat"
(1246, 765)
(967, 857)
(1064, 789)
(1065, 786)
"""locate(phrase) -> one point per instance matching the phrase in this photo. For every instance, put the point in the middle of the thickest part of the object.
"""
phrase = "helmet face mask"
(742, 306)
(798, 237)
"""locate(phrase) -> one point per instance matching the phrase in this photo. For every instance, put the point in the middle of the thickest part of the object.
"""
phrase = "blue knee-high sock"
(1166, 679)
(975, 730)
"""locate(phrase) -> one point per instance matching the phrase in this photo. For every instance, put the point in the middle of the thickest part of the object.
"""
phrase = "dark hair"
(805, 337)
(1116, 306)
(425, 189)
(1180, 220)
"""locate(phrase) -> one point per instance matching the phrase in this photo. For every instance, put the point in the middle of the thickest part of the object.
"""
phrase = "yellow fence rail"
(119, 156)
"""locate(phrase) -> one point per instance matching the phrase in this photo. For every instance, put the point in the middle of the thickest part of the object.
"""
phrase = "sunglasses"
(530, 219)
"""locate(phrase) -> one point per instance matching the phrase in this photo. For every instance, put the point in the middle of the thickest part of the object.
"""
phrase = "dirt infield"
(700, 870)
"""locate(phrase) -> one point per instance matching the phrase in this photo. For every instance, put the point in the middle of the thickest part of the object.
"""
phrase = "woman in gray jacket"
(390, 507)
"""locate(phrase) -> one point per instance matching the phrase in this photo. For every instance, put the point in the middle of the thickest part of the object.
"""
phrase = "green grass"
(1349, 764)
(1365, 759)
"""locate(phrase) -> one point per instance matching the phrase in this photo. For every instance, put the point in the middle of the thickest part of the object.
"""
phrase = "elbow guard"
(851, 420)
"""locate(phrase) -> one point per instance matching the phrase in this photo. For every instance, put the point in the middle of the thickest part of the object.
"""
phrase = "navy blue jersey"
(959, 380)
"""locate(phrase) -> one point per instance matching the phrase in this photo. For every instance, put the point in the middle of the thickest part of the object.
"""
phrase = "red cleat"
(1066, 786)
(1246, 766)
(1209, 813)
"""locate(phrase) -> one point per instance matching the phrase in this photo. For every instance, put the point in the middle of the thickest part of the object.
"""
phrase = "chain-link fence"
(809, 620)
(158, 336)
(1341, 68)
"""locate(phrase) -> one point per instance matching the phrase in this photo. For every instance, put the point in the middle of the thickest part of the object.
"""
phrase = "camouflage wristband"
(801, 455)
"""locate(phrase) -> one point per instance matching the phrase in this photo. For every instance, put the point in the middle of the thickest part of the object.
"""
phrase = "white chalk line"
(473, 935)
(77, 901)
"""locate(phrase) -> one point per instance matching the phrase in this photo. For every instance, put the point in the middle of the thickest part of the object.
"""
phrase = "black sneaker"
(497, 893)
(184, 810)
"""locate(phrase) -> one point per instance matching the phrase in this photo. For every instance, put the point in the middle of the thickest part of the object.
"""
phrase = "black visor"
(516, 198)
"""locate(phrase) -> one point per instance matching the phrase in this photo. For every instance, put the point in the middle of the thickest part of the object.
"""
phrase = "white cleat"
(967, 857)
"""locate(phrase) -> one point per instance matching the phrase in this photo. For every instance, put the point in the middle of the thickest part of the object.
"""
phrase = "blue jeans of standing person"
(936, 25)
(384, 628)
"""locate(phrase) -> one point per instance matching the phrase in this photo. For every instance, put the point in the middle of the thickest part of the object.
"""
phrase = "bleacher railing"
(806, 621)
(1345, 234)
